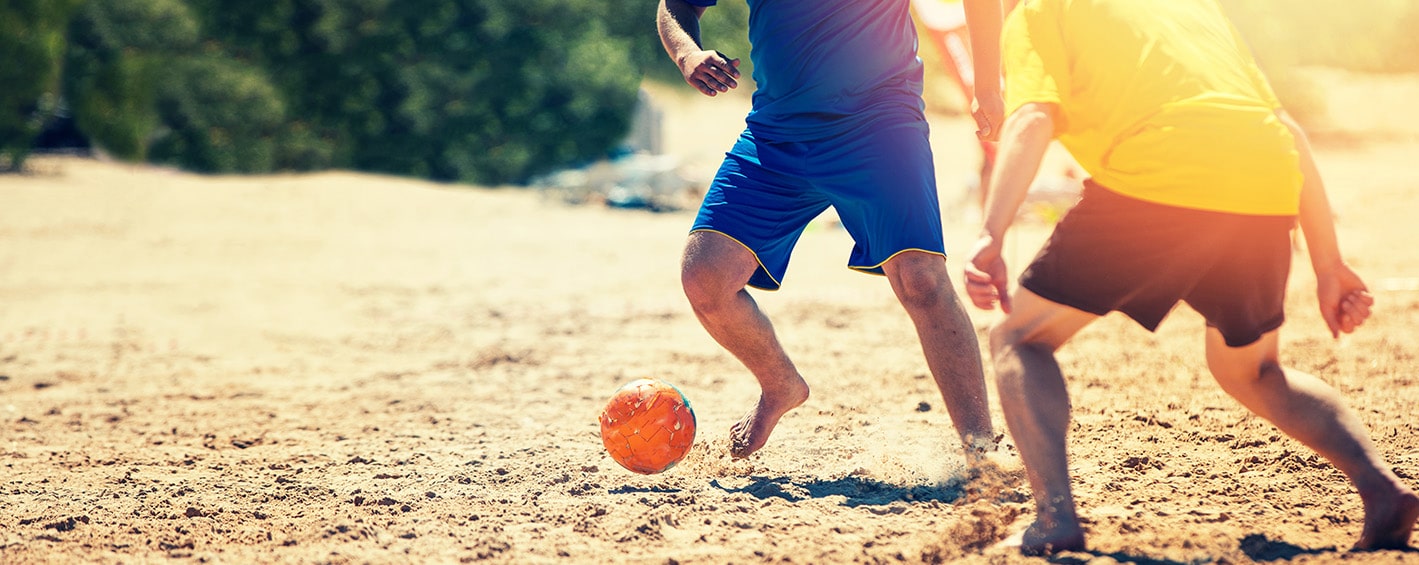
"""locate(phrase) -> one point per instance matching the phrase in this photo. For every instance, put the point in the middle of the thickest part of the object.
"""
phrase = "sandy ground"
(352, 368)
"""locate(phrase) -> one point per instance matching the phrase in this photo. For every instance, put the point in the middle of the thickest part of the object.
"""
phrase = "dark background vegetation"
(478, 91)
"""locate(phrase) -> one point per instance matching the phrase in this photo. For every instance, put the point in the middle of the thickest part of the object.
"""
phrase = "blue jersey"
(826, 66)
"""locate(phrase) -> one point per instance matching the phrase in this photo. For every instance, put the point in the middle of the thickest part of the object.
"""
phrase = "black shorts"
(1116, 253)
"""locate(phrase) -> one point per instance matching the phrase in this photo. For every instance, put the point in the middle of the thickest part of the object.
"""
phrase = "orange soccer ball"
(648, 426)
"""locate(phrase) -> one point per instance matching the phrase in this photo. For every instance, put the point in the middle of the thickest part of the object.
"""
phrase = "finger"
(724, 76)
(702, 87)
(718, 78)
(1347, 324)
(1364, 298)
(982, 295)
(1358, 312)
(1358, 307)
(1004, 292)
(983, 128)
(731, 66)
(983, 302)
(713, 81)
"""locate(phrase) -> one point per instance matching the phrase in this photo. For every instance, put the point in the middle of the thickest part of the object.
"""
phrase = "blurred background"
(487, 92)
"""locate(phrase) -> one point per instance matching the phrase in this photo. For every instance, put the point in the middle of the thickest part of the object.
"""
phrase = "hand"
(1344, 300)
(988, 108)
(987, 279)
(711, 72)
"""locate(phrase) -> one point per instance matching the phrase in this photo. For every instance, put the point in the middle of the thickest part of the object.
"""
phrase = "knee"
(920, 280)
(704, 286)
(1005, 345)
(697, 289)
(1245, 374)
(1008, 344)
(1002, 339)
(714, 270)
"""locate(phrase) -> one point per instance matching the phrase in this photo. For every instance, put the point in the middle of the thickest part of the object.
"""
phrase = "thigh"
(1115, 253)
(717, 263)
(882, 182)
(1243, 294)
(759, 200)
(1038, 321)
(1231, 364)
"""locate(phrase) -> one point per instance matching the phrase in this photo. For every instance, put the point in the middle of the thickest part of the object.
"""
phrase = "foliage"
(219, 115)
(1361, 35)
(486, 91)
(473, 90)
(31, 48)
(143, 88)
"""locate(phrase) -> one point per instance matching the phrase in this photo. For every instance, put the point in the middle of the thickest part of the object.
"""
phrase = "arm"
(709, 71)
(983, 19)
(1343, 298)
(1022, 148)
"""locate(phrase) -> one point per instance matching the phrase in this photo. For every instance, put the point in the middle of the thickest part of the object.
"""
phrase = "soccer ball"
(648, 426)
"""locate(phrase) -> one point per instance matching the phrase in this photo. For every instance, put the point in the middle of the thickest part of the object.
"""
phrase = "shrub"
(142, 87)
(32, 49)
(483, 91)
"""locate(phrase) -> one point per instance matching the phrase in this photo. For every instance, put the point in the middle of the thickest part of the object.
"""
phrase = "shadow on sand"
(1082, 557)
(856, 491)
(1256, 546)
(1261, 548)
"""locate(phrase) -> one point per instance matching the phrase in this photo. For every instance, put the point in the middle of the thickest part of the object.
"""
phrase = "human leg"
(1035, 402)
(713, 274)
(1306, 408)
(948, 339)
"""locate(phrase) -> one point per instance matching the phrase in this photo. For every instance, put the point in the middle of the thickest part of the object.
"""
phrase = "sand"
(347, 368)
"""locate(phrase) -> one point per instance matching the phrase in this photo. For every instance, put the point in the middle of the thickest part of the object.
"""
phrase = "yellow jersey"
(1158, 100)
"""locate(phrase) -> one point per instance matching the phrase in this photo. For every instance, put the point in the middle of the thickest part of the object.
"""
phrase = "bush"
(473, 90)
(142, 88)
(32, 49)
(218, 115)
(1358, 35)
(1361, 35)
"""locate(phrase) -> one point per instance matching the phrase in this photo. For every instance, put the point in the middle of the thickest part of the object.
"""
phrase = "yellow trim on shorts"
(752, 252)
(867, 268)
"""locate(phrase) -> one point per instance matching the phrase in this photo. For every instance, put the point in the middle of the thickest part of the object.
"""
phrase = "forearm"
(983, 19)
(1022, 148)
(1316, 219)
(679, 26)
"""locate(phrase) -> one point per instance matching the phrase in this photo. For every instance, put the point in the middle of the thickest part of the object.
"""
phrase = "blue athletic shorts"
(879, 179)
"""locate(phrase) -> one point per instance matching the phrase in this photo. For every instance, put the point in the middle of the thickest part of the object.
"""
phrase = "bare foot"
(1038, 540)
(982, 451)
(752, 431)
(1389, 519)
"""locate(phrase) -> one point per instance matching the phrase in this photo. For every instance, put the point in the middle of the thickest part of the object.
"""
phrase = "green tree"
(483, 91)
(31, 53)
(143, 86)
(218, 115)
